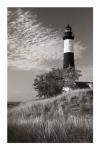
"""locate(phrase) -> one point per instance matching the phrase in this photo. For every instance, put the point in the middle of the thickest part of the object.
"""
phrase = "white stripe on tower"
(68, 46)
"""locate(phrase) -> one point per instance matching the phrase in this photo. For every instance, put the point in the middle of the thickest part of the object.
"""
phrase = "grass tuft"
(66, 118)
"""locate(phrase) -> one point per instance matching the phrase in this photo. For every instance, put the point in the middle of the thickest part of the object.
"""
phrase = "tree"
(52, 83)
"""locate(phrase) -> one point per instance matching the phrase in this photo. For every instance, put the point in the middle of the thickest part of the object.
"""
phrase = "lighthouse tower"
(68, 48)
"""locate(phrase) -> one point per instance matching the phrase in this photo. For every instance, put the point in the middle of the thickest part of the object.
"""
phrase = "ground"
(66, 118)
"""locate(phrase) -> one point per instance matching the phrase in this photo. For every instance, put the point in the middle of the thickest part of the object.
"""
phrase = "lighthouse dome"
(68, 28)
(68, 33)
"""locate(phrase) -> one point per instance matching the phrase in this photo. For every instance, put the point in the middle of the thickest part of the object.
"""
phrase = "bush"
(49, 84)
(52, 83)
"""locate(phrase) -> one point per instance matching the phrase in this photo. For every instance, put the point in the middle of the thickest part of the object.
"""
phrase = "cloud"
(87, 73)
(79, 49)
(32, 45)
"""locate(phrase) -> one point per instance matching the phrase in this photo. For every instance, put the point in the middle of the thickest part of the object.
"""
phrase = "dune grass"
(66, 118)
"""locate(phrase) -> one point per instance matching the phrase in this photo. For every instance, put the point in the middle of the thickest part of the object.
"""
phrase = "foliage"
(51, 83)
(70, 75)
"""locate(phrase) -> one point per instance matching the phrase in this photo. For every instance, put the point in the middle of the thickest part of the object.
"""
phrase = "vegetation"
(51, 83)
(66, 118)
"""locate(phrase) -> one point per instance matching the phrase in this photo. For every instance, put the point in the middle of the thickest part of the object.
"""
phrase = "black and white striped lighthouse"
(68, 48)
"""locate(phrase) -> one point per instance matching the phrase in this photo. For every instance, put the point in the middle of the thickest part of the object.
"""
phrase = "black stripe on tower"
(68, 60)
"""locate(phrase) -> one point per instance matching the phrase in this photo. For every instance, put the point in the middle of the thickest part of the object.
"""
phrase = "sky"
(35, 45)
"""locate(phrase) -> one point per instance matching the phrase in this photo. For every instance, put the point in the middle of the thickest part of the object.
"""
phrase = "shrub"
(52, 83)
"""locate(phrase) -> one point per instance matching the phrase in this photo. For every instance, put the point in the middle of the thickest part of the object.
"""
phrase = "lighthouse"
(68, 48)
